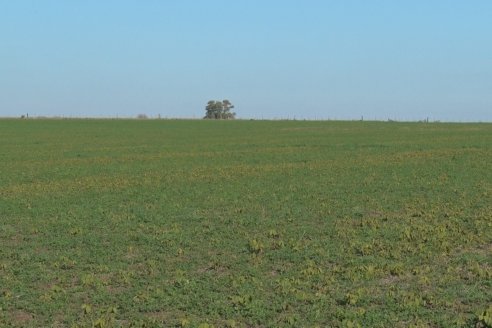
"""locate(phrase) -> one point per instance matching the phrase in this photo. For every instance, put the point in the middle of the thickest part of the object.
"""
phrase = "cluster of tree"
(219, 110)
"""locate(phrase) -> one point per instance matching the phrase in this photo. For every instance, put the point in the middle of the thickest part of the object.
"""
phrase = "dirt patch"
(21, 317)
(389, 280)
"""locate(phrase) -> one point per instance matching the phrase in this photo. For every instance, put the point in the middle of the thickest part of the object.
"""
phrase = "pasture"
(175, 223)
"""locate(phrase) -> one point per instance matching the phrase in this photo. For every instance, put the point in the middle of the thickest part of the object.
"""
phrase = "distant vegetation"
(219, 110)
(167, 223)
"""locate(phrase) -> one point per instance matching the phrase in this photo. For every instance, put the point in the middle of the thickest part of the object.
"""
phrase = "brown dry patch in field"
(482, 250)
(21, 317)
(389, 280)
(485, 250)
(114, 290)
(59, 320)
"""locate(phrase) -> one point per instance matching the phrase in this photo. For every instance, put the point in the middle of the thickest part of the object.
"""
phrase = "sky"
(273, 59)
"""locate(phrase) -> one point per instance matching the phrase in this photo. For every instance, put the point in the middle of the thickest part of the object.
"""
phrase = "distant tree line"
(219, 110)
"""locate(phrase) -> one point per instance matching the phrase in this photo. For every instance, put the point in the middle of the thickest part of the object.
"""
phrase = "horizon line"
(147, 118)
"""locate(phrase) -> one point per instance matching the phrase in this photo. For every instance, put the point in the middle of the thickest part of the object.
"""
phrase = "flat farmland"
(176, 223)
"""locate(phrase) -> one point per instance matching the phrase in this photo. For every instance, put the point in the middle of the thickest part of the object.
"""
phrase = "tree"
(219, 110)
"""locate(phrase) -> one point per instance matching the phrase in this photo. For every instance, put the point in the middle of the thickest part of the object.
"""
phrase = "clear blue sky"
(344, 59)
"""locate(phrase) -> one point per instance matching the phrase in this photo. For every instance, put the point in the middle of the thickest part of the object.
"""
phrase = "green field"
(162, 223)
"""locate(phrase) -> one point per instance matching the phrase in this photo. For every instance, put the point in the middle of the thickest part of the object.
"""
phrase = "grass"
(126, 223)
